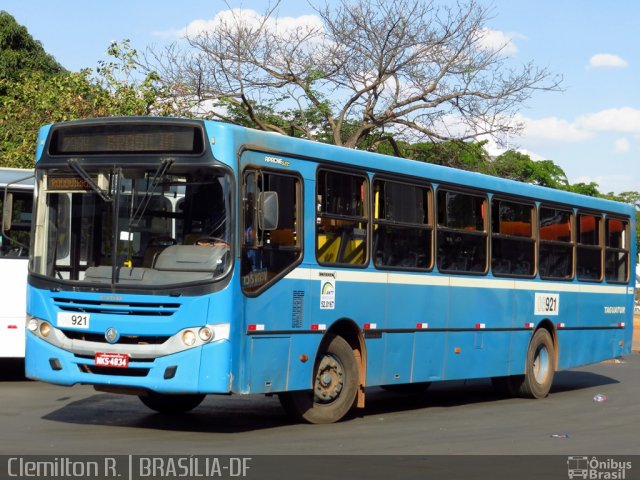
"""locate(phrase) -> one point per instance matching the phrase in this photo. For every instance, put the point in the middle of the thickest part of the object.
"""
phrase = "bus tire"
(539, 368)
(171, 404)
(334, 389)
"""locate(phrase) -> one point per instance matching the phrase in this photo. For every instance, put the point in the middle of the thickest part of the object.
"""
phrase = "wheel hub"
(329, 380)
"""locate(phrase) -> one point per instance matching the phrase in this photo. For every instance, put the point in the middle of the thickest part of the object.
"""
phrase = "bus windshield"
(161, 226)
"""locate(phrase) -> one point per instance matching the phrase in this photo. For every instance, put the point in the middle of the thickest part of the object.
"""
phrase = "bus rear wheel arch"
(335, 385)
(540, 363)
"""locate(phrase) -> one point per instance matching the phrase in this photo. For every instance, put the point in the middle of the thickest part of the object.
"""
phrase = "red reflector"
(252, 328)
(480, 325)
(621, 324)
(314, 327)
(369, 326)
(561, 325)
(528, 325)
(15, 327)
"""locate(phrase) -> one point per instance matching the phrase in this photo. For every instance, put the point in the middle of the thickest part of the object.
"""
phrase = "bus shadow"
(236, 414)
(12, 370)
(459, 393)
(217, 414)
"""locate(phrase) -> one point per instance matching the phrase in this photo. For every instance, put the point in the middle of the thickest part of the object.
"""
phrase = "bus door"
(274, 295)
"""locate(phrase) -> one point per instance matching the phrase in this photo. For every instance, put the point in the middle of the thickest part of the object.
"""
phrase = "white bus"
(16, 204)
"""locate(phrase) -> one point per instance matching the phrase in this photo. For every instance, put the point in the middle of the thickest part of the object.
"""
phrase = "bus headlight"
(32, 325)
(189, 338)
(206, 334)
(45, 329)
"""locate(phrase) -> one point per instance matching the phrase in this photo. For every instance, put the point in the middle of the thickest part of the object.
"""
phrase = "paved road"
(450, 418)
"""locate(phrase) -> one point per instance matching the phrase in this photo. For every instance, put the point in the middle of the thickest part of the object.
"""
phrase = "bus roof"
(11, 175)
(226, 138)
(374, 162)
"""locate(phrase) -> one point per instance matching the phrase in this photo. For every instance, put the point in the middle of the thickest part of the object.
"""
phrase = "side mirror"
(7, 212)
(268, 210)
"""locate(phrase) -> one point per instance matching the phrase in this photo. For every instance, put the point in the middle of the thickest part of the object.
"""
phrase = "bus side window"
(402, 231)
(617, 250)
(462, 232)
(16, 241)
(512, 242)
(556, 243)
(589, 250)
(341, 218)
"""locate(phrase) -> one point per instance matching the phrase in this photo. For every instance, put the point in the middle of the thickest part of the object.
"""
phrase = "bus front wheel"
(335, 386)
(171, 404)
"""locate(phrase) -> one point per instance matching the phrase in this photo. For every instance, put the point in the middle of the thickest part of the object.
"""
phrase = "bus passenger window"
(556, 243)
(462, 235)
(589, 250)
(402, 233)
(341, 218)
(512, 242)
(617, 250)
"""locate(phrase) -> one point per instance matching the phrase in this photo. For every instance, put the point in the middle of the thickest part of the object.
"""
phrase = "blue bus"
(176, 258)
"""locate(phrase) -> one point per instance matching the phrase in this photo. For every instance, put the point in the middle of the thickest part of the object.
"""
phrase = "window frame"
(429, 226)
(627, 250)
(532, 238)
(590, 247)
(571, 243)
(242, 225)
(479, 233)
(366, 218)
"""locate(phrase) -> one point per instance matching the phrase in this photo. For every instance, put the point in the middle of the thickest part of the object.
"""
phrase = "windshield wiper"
(73, 163)
(148, 195)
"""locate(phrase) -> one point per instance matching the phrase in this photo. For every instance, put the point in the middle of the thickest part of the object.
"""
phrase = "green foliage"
(456, 154)
(129, 92)
(519, 166)
(36, 97)
(590, 189)
(20, 53)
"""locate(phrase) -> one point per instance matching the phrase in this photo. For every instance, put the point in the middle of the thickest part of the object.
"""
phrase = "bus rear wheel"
(334, 389)
(539, 370)
(171, 404)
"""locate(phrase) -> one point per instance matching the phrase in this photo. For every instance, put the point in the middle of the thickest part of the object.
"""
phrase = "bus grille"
(116, 308)
(124, 339)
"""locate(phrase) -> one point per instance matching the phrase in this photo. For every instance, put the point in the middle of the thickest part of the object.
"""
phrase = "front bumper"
(200, 369)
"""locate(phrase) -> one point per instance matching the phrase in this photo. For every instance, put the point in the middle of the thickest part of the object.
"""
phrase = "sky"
(591, 129)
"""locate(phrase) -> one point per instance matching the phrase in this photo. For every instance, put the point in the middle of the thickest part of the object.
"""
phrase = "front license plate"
(113, 360)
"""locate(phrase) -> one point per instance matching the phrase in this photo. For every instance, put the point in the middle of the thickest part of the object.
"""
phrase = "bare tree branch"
(409, 67)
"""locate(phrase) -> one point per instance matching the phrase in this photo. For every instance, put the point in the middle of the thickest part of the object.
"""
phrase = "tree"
(519, 166)
(19, 52)
(37, 97)
(408, 68)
